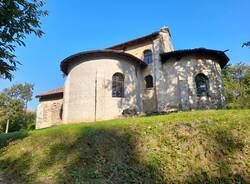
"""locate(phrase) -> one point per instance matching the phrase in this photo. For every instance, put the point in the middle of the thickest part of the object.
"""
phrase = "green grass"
(186, 147)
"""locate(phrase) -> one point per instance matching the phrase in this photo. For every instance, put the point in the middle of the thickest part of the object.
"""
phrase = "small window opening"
(149, 81)
(148, 56)
(201, 85)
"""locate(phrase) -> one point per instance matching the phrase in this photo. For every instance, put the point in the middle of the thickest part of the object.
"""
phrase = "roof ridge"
(140, 39)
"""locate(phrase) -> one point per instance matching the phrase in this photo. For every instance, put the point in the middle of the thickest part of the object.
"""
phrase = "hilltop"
(187, 147)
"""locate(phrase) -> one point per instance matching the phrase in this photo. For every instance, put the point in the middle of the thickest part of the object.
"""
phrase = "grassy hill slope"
(188, 147)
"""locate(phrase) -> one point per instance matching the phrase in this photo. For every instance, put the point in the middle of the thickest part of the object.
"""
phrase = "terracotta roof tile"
(202, 52)
(139, 40)
(96, 53)
(51, 92)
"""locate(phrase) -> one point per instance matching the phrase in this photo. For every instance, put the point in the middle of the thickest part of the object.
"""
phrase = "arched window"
(148, 57)
(201, 84)
(149, 81)
(118, 85)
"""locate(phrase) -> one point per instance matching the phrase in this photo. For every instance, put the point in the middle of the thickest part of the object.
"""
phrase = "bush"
(237, 85)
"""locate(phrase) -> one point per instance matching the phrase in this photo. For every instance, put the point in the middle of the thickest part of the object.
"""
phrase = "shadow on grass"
(106, 156)
(97, 155)
(5, 139)
(110, 156)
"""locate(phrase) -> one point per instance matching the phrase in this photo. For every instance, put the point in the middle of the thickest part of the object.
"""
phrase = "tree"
(13, 102)
(12, 110)
(237, 85)
(23, 92)
(18, 18)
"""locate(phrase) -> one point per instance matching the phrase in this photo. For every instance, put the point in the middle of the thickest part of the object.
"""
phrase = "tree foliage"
(18, 18)
(23, 92)
(13, 104)
(246, 44)
(237, 85)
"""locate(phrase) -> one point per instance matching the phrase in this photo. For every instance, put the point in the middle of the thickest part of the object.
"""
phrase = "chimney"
(165, 29)
(166, 39)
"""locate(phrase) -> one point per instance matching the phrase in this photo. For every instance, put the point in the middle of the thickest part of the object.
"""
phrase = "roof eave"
(134, 42)
(74, 58)
(46, 95)
(199, 51)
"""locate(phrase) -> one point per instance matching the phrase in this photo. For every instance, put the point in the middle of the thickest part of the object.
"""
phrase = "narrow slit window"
(148, 56)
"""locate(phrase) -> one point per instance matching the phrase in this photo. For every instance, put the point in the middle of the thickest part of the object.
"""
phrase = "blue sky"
(74, 26)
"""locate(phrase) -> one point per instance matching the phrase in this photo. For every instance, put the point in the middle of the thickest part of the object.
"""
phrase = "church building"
(145, 75)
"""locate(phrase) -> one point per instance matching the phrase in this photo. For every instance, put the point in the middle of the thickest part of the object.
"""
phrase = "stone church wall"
(159, 45)
(178, 87)
(49, 113)
(88, 90)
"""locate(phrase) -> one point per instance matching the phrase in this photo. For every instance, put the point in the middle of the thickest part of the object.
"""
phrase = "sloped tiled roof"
(51, 92)
(96, 53)
(139, 40)
(202, 52)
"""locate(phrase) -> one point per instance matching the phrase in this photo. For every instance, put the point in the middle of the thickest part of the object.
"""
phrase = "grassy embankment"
(186, 147)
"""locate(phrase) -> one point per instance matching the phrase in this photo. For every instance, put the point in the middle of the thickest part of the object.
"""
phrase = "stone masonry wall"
(49, 113)
(178, 85)
(148, 96)
(159, 45)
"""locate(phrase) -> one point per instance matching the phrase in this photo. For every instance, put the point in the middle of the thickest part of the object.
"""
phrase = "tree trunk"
(7, 126)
